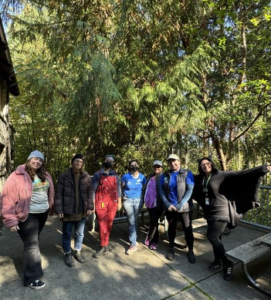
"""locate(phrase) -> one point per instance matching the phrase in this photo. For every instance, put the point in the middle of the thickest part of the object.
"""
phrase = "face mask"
(107, 165)
(134, 169)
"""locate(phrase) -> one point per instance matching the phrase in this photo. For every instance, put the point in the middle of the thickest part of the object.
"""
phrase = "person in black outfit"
(224, 197)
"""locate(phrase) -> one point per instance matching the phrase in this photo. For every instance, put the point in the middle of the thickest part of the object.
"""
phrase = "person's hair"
(40, 172)
(133, 161)
(214, 169)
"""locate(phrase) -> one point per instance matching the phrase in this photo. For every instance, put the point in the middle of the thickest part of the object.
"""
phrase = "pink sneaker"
(153, 246)
(147, 241)
(131, 250)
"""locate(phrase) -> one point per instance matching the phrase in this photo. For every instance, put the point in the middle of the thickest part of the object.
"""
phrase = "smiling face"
(35, 163)
(174, 164)
(77, 164)
(157, 169)
(206, 166)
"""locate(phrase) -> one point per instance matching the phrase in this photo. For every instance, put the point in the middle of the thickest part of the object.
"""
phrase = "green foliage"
(141, 79)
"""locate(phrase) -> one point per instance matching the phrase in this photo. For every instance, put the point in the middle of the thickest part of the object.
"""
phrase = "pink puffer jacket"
(16, 196)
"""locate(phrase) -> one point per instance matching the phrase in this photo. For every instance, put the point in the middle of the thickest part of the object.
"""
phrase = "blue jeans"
(132, 208)
(79, 227)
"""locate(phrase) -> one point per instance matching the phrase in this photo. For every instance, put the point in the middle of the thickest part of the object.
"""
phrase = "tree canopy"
(141, 79)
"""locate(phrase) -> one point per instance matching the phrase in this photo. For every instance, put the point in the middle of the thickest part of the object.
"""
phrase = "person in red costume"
(107, 199)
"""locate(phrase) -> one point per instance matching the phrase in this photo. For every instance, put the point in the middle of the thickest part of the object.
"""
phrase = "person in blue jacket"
(176, 187)
(132, 185)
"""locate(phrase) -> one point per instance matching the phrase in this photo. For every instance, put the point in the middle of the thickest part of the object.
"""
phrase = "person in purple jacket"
(154, 204)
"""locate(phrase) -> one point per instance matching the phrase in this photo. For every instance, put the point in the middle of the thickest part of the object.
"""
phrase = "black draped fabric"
(230, 193)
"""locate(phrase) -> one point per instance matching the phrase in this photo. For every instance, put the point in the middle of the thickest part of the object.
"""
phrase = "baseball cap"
(157, 163)
(173, 156)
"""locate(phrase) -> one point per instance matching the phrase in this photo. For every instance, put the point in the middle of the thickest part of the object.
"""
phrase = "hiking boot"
(109, 247)
(191, 257)
(69, 260)
(37, 285)
(228, 270)
(215, 265)
(147, 241)
(103, 251)
(79, 256)
(131, 250)
(153, 246)
(170, 255)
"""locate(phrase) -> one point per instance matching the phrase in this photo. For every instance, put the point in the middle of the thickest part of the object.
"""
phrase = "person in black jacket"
(224, 197)
(73, 203)
(154, 204)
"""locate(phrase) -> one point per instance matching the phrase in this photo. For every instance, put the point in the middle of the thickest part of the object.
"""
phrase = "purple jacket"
(150, 193)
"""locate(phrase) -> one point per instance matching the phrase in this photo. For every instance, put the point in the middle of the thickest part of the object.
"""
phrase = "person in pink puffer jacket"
(26, 200)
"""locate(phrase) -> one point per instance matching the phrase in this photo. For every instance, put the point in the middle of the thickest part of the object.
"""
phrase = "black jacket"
(65, 193)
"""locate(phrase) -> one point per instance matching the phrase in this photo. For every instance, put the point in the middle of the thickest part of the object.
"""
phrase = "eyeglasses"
(78, 162)
(207, 164)
(157, 167)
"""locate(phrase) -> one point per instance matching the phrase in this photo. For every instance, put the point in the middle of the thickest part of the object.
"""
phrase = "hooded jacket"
(16, 196)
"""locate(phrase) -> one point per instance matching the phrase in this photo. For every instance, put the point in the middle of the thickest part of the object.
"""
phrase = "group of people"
(28, 197)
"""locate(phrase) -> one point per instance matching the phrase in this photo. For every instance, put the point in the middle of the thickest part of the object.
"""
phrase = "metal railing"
(261, 216)
(258, 217)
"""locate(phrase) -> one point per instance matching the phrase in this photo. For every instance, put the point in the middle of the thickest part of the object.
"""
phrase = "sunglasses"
(157, 167)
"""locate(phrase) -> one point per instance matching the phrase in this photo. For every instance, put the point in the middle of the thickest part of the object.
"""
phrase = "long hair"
(40, 172)
(214, 169)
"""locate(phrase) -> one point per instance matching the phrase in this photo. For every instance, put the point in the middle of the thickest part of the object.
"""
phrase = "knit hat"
(77, 156)
(110, 157)
(36, 154)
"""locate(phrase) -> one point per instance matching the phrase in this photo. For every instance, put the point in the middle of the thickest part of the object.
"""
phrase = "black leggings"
(186, 221)
(214, 235)
(153, 233)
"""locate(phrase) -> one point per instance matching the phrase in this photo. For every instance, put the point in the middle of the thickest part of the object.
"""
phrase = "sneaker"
(153, 246)
(191, 257)
(170, 255)
(147, 241)
(215, 265)
(37, 285)
(79, 256)
(103, 251)
(69, 260)
(131, 250)
(228, 270)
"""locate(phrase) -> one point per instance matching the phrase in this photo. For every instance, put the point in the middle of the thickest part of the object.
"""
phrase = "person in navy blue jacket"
(176, 187)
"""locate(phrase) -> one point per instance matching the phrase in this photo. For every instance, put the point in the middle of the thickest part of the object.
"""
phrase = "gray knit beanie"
(37, 154)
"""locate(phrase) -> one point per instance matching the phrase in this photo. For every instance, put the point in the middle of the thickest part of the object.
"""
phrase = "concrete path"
(145, 275)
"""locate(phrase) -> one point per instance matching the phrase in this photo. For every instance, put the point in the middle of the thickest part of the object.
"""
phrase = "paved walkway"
(145, 275)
